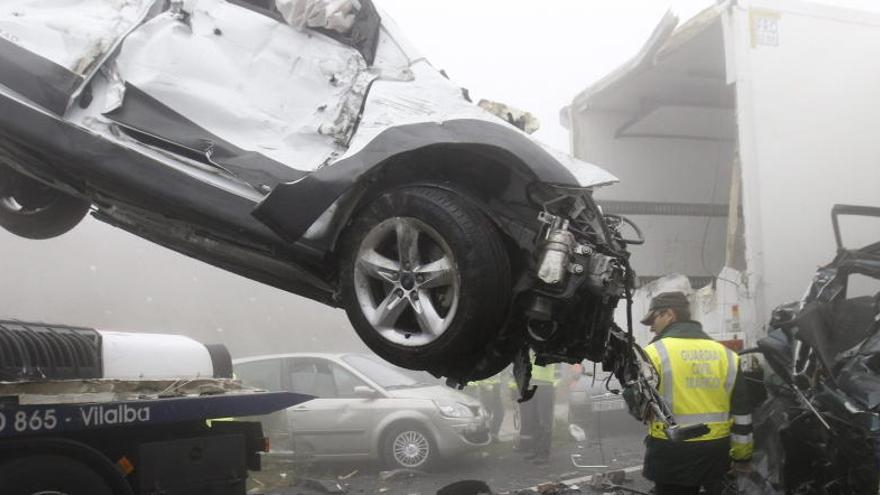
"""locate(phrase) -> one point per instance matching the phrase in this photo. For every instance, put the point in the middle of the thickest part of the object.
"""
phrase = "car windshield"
(383, 374)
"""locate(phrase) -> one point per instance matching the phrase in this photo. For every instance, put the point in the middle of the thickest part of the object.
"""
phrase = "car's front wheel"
(408, 447)
(425, 279)
(31, 209)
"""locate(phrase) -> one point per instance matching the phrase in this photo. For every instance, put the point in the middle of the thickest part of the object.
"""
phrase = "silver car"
(365, 409)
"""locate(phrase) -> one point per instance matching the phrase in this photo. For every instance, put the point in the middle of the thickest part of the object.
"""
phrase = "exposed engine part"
(615, 223)
(556, 257)
(584, 250)
(522, 375)
(540, 326)
(566, 301)
(604, 272)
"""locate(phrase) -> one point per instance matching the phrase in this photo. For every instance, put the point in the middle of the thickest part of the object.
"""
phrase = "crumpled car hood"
(430, 97)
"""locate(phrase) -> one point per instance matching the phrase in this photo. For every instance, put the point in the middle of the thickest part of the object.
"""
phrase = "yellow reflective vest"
(697, 376)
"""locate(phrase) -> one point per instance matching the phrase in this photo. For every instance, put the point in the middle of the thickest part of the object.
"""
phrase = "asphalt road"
(497, 464)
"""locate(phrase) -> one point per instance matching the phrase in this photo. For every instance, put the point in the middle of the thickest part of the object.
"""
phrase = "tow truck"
(91, 412)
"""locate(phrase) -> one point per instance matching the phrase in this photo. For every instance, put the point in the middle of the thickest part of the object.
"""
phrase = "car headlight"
(452, 409)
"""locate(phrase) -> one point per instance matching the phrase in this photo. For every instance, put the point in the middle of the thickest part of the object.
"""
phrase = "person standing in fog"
(536, 415)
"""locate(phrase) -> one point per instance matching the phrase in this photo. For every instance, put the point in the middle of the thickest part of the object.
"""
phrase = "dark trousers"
(491, 399)
(536, 420)
(683, 467)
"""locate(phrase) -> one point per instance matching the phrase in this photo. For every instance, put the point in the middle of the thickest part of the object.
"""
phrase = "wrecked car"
(304, 144)
(816, 430)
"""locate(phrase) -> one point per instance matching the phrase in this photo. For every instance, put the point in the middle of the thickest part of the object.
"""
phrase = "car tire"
(33, 210)
(408, 446)
(53, 474)
(455, 261)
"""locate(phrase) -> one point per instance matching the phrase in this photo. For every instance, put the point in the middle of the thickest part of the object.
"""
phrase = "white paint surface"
(71, 33)
(430, 97)
(251, 80)
(129, 356)
(807, 116)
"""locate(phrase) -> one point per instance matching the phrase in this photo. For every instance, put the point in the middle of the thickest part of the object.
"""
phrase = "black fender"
(291, 208)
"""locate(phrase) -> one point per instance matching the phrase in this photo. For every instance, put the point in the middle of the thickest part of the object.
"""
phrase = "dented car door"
(239, 90)
(50, 50)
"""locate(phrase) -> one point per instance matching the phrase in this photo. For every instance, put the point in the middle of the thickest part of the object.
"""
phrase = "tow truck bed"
(115, 437)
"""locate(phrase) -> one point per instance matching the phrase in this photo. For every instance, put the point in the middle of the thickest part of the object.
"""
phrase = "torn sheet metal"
(269, 89)
(49, 50)
(522, 120)
(432, 98)
(336, 15)
(155, 123)
(404, 116)
(818, 429)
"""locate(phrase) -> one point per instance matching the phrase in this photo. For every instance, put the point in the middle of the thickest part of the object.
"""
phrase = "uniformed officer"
(701, 382)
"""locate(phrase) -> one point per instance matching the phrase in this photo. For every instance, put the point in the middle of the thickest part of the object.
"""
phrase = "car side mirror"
(365, 392)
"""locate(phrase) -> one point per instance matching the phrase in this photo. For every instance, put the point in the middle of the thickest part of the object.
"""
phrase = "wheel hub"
(406, 281)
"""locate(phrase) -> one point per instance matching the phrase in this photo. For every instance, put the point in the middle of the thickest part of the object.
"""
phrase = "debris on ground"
(400, 474)
(611, 482)
(322, 486)
(558, 489)
(348, 476)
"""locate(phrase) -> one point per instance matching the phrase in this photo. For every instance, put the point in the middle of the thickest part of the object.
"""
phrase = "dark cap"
(666, 300)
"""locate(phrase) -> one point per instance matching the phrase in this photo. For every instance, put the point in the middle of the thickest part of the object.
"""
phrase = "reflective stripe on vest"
(696, 382)
(544, 373)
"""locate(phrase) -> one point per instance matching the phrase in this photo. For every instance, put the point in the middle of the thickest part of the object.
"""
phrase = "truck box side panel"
(808, 102)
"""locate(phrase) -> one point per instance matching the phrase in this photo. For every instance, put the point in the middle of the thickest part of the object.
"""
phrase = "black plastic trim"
(176, 133)
(36, 78)
(38, 351)
(46, 146)
(312, 195)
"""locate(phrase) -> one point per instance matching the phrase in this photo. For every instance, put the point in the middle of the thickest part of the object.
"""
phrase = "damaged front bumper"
(461, 435)
(577, 272)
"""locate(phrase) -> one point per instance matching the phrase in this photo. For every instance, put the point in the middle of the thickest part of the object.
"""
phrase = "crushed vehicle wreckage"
(817, 428)
(305, 145)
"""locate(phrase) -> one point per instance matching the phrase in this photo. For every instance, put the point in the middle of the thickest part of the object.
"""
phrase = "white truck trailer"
(733, 135)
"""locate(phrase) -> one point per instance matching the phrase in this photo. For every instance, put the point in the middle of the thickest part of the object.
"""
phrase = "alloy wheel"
(411, 449)
(406, 281)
